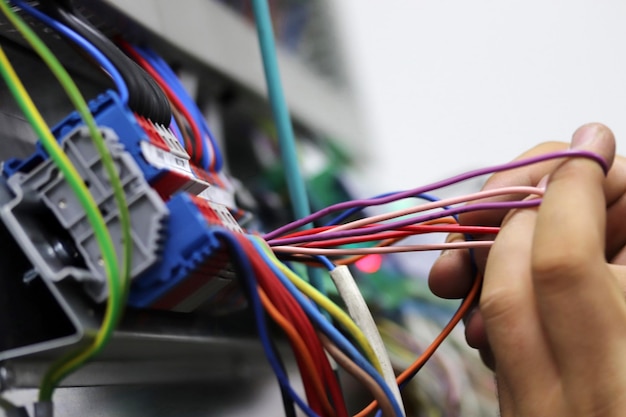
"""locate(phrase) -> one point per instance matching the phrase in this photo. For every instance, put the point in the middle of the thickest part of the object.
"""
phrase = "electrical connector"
(194, 267)
(161, 159)
(44, 190)
(174, 207)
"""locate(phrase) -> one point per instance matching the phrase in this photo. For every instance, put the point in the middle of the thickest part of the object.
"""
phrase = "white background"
(446, 86)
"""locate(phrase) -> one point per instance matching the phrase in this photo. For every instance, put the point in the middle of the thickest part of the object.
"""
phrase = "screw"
(7, 378)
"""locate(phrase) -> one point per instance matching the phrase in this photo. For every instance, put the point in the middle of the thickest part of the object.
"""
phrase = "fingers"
(580, 305)
(522, 359)
(523, 176)
(475, 334)
(616, 227)
(619, 272)
(615, 189)
(451, 275)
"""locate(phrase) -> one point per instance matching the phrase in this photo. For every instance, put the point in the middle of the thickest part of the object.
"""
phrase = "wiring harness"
(153, 105)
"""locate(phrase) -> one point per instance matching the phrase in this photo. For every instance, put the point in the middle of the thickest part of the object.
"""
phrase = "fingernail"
(584, 136)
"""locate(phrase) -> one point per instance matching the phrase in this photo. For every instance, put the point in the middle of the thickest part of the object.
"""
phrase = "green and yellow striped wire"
(118, 281)
(328, 305)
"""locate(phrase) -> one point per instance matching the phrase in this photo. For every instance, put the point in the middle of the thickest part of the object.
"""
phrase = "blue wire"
(322, 323)
(247, 276)
(174, 83)
(197, 114)
(379, 413)
(172, 79)
(354, 210)
(326, 262)
(104, 62)
(184, 100)
(284, 128)
(176, 131)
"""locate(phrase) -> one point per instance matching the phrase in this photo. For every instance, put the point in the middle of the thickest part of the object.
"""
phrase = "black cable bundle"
(145, 96)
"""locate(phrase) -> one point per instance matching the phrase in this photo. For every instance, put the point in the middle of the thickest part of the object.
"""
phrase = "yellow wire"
(63, 161)
(115, 277)
(333, 309)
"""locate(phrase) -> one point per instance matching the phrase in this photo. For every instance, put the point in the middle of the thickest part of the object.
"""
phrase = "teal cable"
(280, 111)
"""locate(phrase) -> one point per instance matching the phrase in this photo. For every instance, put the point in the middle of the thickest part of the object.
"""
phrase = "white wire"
(360, 313)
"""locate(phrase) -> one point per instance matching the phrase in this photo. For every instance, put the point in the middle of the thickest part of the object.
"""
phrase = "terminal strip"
(174, 207)
(165, 166)
(194, 268)
(44, 185)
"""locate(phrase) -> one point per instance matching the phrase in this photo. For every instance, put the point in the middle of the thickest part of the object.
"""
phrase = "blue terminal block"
(108, 111)
(188, 267)
(194, 268)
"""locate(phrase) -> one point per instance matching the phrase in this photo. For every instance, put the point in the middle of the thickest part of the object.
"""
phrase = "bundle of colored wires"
(145, 96)
(437, 185)
(211, 155)
(309, 244)
(200, 143)
(81, 42)
(318, 240)
(288, 299)
(302, 312)
(118, 281)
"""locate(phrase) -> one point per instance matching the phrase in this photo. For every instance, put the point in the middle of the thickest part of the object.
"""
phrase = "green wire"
(282, 119)
(117, 295)
(326, 304)
(74, 180)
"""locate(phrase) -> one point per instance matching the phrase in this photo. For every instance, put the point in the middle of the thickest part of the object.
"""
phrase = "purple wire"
(440, 184)
(406, 222)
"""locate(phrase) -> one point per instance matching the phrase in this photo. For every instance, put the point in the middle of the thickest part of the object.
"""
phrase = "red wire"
(274, 292)
(392, 234)
(414, 228)
(293, 310)
(290, 308)
(303, 353)
(171, 95)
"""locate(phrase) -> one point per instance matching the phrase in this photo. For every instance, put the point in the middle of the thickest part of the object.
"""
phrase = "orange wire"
(419, 362)
(302, 349)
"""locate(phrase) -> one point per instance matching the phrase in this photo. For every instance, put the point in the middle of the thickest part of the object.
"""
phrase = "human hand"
(552, 307)
(452, 274)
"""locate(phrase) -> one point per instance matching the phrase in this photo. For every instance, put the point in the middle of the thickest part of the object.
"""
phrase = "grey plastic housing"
(45, 185)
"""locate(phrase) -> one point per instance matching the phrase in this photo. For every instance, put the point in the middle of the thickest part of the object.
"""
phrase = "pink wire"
(348, 229)
(437, 204)
(571, 153)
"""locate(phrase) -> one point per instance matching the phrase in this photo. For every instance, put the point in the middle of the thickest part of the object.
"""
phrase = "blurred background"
(445, 86)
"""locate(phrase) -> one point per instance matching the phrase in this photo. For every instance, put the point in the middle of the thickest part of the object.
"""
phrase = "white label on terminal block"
(159, 158)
